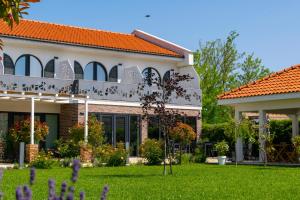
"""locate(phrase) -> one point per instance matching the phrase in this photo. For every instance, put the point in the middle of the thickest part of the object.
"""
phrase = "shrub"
(296, 143)
(43, 161)
(199, 156)
(222, 148)
(118, 156)
(152, 151)
(20, 132)
(186, 158)
(101, 154)
(67, 148)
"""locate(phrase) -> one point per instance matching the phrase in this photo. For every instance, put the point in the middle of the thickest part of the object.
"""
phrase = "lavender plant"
(25, 192)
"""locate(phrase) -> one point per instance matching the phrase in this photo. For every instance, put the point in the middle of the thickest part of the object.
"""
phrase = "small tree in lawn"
(182, 133)
(154, 97)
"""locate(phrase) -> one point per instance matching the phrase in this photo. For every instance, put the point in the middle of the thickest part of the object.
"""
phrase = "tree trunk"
(170, 157)
(165, 155)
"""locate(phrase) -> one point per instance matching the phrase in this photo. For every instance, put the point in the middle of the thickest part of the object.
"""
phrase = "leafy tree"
(251, 70)
(221, 68)
(12, 10)
(154, 96)
(216, 63)
(184, 134)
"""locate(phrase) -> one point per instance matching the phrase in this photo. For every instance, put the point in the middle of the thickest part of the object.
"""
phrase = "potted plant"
(222, 148)
(296, 143)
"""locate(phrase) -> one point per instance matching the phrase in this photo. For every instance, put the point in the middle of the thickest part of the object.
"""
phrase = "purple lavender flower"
(27, 193)
(32, 175)
(19, 193)
(51, 186)
(70, 196)
(104, 192)
(82, 195)
(63, 190)
(76, 167)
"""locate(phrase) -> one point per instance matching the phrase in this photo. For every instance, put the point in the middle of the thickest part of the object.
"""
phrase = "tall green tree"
(251, 69)
(221, 68)
(216, 63)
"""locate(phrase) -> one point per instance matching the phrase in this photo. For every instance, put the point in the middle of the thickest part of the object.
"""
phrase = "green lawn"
(188, 182)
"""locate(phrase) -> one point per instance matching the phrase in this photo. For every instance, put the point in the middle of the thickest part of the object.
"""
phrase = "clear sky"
(269, 28)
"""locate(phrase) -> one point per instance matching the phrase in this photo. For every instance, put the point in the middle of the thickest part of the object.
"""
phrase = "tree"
(251, 70)
(154, 96)
(12, 10)
(221, 68)
(216, 64)
(182, 133)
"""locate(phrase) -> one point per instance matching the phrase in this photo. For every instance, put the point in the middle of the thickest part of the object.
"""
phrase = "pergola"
(49, 98)
(278, 93)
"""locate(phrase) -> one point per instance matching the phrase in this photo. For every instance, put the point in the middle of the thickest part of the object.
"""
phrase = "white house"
(60, 74)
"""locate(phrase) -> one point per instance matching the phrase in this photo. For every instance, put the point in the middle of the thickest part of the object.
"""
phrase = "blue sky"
(269, 28)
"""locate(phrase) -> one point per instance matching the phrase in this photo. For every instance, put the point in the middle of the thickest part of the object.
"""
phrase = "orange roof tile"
(50, 32)
(285, 81)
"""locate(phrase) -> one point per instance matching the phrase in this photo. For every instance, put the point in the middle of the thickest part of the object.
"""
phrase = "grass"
(188, 182)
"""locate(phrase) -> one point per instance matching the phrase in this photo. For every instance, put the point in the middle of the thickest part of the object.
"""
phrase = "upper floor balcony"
(120, 84)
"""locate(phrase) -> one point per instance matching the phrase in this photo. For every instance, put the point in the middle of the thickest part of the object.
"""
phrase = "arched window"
(167, 76)
(28, 65)
(9, 67)
(49, 69)
(78, 70)
(113, 74)
(151, 75)
(95, 71)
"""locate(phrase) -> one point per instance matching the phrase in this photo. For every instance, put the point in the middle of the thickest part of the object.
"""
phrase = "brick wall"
(68, 118)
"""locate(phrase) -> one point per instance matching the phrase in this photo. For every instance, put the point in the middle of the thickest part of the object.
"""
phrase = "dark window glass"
(167, 76)
(78, 71)
(9, 67)
(95, 71)
(134, 135)
(151, 75)
(120, 129)
(49, 69)
(113, 74)
(108, 128)
(192, 122)
(28, 65)
(153, 128)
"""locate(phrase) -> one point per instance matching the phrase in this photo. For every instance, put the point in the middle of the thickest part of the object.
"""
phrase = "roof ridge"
(260, 80)
(74, 26)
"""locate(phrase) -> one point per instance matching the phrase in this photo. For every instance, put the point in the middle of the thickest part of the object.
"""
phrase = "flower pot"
(221, 160)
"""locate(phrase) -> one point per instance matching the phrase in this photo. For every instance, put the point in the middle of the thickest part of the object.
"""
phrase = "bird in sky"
(147, 16)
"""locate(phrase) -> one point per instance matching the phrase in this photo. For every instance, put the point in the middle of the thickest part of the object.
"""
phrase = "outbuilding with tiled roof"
(278, 93)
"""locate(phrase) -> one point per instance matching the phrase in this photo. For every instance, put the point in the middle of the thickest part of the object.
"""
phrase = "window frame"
(27, 64)
(95, 70)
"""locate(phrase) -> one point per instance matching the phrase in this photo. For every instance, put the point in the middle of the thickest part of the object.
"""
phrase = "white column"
(32, 122)
(262, 134)
(295, 125)
(239, 141)
(86, 115)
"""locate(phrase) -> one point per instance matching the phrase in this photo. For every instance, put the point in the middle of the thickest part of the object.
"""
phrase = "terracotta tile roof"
(44, 31)
(285, 81)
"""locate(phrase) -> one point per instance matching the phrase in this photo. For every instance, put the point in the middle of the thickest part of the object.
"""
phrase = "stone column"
(239, 154)
(295, 125)
(32, 151)
(144, 129)
(262, 134)
(198, 126)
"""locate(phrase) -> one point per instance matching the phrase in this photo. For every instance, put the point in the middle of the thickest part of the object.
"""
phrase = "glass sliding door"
(107, 121)
(134, 135)
(52, 122)
(120, 130)
(3, 125)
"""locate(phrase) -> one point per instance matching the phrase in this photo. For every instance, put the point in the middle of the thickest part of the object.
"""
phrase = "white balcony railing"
(96, 90)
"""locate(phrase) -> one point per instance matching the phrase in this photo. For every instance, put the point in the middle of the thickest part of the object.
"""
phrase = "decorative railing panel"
(96, 90)
(35, 84)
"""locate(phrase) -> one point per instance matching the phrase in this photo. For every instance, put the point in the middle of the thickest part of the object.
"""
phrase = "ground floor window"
(155, 132)
(121, 128)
